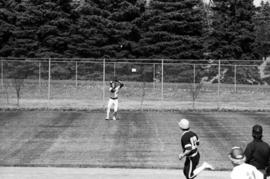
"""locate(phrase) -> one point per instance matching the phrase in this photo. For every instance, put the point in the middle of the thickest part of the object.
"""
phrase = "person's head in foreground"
(257, 131)
(237, 156)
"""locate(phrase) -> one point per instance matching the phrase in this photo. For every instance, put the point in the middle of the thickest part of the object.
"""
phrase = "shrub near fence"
(152, 84)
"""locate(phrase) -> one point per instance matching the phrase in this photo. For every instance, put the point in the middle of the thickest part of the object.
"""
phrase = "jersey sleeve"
(112, 89)
(198, 141)
(186, 144)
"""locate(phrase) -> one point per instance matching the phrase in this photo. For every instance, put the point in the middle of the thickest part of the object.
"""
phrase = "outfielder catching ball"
(115, 87)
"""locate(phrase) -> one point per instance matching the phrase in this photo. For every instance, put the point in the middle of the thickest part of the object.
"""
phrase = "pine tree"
(52, 26)
(172, 29)
(233, 38)
(8, 25)
(105, 29)
(262, 21)
(233, 30)
(88, 34)
(122, 34)
(35, 28)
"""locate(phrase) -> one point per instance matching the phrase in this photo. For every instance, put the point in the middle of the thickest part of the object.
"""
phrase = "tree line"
(186, 29)
(129, 29)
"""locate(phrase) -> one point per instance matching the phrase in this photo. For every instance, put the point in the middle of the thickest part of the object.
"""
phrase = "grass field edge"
(3, 109)
(97, 166)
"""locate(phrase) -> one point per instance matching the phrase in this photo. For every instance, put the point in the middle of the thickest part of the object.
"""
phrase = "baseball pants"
(190, 165)
(114, 103)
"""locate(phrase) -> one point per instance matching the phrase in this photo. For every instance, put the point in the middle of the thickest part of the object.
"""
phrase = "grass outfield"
(137, 140)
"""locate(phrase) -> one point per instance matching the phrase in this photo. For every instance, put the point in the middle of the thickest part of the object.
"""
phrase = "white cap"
(183, 124)
(237, 156)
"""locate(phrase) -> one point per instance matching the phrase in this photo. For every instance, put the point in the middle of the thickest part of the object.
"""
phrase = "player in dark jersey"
(257, 152)
(190, 143)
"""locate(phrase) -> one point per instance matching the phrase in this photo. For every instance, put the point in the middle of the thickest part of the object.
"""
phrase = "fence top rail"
(147, 60)
(135, 62)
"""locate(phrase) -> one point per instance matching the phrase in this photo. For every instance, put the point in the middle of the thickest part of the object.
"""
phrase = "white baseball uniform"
(246, 171)
(113, 101)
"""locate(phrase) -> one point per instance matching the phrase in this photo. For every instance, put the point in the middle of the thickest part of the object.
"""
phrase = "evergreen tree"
(123, 33)
(35, 28)
(8, 25)
(233, 38)
(262, 21)
(88, 36)
(172, 29)
(104, 29)
(52, 21)
(24, 36)
(233, 33)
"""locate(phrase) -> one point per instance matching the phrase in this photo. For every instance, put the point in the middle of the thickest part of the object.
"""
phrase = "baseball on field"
(133, 69)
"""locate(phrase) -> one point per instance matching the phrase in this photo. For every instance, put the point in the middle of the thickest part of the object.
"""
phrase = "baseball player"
(115, 86)
(242, 170)
(257, 152)
(190, 143)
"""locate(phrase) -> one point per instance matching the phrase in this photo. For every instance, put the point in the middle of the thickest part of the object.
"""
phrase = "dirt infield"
(100, 173)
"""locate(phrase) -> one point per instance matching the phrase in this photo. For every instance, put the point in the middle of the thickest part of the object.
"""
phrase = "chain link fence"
(149, 84)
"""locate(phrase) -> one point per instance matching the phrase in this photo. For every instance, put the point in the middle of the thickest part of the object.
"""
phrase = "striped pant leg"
(190, 165)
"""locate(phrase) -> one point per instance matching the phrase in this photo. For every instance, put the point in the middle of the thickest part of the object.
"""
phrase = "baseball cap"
(237, 156)
(183, 124)
(257, 130)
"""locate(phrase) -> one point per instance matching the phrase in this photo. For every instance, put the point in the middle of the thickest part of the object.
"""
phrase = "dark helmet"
(257, 131)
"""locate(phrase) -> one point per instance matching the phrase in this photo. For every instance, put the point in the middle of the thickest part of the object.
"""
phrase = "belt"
(193, 155)
(114, 98)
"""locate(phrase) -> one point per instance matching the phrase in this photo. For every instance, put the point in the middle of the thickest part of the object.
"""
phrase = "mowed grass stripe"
(167, 137)
(87, 143)
(42, 138)
(19, 128)
(138, 139)
(132, 141)
(28, 141)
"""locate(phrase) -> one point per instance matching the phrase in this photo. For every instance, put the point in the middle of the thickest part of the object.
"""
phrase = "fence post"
(154, 75)
(218, 84)
(114, 69)
(76, 74)
(162, 79)
(2, 73)
(49, 79)
(104, 84)
(235, 78)
(39, 76)
(194, 77)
